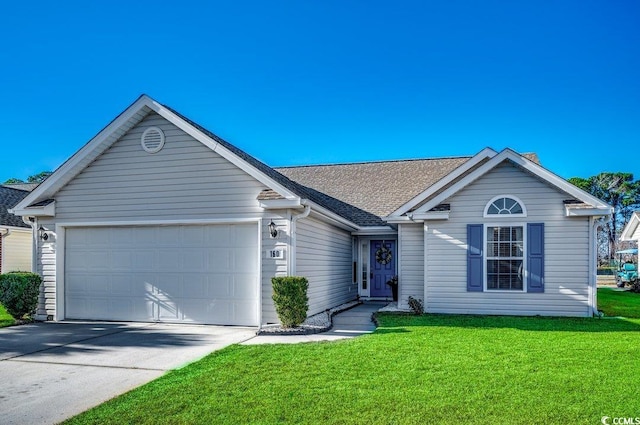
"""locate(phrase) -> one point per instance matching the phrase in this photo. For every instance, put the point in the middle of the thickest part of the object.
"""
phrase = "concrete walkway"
(348, 324)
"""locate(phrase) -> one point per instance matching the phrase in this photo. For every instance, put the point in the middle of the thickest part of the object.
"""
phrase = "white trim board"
(118, 127)
(535, 169)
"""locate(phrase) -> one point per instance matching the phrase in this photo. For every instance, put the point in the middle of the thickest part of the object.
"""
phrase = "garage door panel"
(243, 260)
(241, 286)
(120, 260)
(199, 274)
(196, 288)
(194, 260)
(168, 260)
(126, 285)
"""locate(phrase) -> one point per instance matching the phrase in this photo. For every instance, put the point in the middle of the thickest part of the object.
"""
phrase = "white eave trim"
(16, 229)
(537, 170)
(221, 150)
(48, 210)
(432, 215)
(418, 217)
(631, 227)
(586, 211)
(143, 101)
(469, 164)
(277, 204)
(375, 230)
(83, 152)
(331, 216)
(397, 220)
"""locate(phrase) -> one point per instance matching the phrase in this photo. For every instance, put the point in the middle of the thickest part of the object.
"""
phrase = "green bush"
(290, 298)
(19, 292)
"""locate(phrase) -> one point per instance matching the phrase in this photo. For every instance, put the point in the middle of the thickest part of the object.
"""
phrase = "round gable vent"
(152, 140)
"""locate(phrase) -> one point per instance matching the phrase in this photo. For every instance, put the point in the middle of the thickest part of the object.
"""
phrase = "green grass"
(5, 318)
(412, 370)
(618, 303)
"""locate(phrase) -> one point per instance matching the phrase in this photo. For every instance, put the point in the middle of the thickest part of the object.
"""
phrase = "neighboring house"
(158, 219)
(631, 231)
(16, 240)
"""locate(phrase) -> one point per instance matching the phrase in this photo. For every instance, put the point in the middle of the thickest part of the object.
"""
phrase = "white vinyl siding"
(46, 267)
(324, 257)
(17, 251)
(566, 251)
(636, 234)
(411, 262)
(273, 267)
(184, 180)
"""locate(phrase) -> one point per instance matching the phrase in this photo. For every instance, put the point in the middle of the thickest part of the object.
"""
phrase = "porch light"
(42, 233)
(273, 229)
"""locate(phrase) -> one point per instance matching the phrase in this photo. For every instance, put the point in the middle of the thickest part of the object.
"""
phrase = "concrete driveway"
(52, 371)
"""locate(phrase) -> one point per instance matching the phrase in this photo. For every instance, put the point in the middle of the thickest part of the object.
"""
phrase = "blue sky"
(307, 82)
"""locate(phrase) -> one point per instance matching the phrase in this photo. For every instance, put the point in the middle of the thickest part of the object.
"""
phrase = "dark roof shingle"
(377, 187)
(9, 198)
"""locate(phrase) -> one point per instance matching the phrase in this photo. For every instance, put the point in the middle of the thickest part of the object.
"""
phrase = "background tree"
(36, 178)
(621, 192)
(39, 178)
(13, 180)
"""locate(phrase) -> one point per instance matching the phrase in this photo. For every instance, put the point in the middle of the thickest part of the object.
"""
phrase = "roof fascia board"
(528, 165)
(222, 151)
(275, 204)
(432, 215)
(397, 220)
(331, 216)
(586, 212)
(630, 228)
(375, 230)
(122, 119)
(84, 151)
(472, 162)
(48, 210)
(16, 229)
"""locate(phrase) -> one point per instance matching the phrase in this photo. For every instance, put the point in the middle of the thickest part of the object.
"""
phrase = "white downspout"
(593, 260)
(294, 220)
(33, 222)
(3, 234)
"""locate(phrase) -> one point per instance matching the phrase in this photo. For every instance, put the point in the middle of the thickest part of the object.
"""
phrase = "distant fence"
(606, 271)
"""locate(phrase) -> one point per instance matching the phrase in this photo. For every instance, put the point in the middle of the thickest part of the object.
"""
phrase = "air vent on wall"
(152, 140)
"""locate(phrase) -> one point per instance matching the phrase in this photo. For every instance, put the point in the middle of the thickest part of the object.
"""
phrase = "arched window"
(505, 205)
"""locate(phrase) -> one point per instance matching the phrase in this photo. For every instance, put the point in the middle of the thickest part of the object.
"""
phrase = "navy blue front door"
(383, 267)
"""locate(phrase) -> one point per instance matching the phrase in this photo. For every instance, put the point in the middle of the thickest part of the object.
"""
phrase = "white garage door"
(197, 274)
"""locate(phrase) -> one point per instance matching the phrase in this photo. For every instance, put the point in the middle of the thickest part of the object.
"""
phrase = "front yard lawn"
(430, 369)
(5, 318)
(614, 302)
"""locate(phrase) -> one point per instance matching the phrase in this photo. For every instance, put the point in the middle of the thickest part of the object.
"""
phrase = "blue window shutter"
(475, 274)
(535, 257)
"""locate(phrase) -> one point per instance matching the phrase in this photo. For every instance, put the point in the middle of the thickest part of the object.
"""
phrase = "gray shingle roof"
(360, 192)
(23, 186)
(9, 197)
(377, 187)
(343, 209)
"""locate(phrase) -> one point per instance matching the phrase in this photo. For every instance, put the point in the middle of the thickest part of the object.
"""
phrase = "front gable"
(38, 203)
(435, 199)
(185, 178)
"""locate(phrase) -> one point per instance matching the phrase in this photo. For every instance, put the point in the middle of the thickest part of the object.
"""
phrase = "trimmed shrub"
(290, 298)
(19, 293)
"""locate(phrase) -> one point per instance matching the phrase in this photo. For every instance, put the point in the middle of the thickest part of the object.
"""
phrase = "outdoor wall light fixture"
(42, 232)
(273, 229)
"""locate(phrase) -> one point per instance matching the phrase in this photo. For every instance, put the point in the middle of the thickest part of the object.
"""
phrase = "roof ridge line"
(384, 161)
